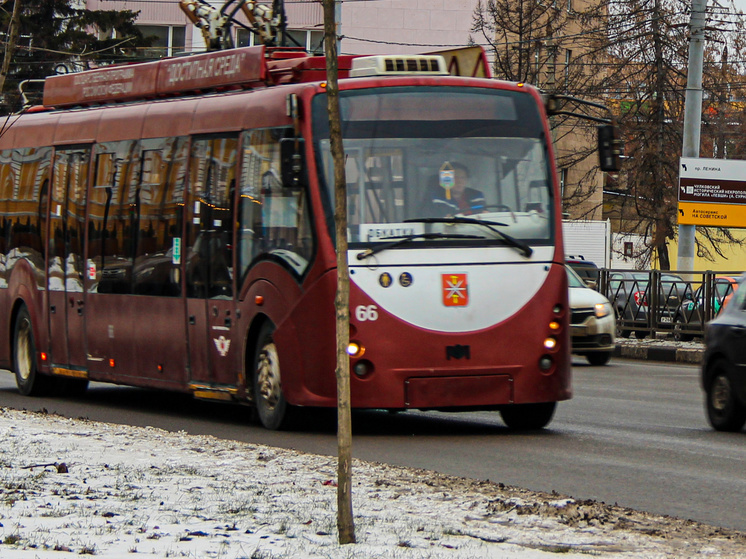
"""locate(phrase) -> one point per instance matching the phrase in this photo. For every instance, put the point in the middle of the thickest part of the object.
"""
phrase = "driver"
(460, 199)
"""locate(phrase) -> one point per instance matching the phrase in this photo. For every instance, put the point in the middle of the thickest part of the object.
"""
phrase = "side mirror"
(292, 162)
(609, 148)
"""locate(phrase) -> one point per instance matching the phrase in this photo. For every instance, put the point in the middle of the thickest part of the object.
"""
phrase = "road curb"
(660, 353)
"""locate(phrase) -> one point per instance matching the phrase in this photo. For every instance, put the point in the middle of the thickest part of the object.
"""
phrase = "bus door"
(135, 313)
(66, 265)
(215, 345)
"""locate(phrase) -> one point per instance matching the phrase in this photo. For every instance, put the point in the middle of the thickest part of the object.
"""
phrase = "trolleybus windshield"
(420, 158)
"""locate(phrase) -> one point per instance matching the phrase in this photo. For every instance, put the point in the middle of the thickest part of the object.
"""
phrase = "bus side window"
(33, 168)
(160, 199)
(112, 216)
(274, 218)
(209, 267)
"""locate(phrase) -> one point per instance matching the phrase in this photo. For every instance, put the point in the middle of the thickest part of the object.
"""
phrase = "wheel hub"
(720, 393)
(23, 352)
(268, 376)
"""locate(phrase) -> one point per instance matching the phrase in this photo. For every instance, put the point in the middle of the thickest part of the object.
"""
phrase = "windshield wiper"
(522, 247)
(403, 239)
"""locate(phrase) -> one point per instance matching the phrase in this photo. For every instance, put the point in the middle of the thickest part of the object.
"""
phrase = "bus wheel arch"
(271, 406)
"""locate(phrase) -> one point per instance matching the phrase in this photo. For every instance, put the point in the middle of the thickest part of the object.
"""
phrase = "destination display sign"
(712, 192)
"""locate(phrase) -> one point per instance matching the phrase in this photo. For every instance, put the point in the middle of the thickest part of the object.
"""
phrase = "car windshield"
(573, 279)
(417, 157)
(633, 281)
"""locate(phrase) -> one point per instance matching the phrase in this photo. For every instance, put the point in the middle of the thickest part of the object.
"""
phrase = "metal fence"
(674, 302)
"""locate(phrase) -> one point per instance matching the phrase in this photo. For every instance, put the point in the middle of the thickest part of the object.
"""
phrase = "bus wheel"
(271, 405)
(525, 417)
(29, 381)
(724, 410)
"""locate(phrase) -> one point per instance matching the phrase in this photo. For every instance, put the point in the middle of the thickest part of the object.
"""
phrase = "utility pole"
(692, 119)
(345, 525)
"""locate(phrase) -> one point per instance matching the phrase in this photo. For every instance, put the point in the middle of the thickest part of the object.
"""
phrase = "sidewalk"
(660, 349)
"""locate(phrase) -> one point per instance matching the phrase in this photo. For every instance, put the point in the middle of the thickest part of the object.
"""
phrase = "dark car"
(692, 312)
(630, 294)
(587, 270)
(724, 366)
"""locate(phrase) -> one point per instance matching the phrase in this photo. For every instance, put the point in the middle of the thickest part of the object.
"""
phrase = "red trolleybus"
(169, 225)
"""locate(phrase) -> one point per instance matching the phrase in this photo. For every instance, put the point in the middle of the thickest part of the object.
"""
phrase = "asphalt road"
(635, 434)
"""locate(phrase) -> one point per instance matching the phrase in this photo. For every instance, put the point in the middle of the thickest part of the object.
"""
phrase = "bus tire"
(29, 380)
(528, 417)
(724, 411)
(271, 406)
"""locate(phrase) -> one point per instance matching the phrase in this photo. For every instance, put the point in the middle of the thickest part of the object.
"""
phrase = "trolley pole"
(10, 46)
(345, 525)
(692, 119)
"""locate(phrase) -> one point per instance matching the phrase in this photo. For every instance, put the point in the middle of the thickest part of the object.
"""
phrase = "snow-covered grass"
(77, 487)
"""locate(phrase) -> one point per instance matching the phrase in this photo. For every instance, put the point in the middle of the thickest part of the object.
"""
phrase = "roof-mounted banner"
(214, 70)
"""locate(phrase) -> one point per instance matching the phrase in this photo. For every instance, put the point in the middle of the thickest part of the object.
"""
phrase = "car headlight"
(602, 309)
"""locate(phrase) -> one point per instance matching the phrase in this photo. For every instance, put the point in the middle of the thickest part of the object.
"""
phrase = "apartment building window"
(170, 40)
(563, 182)
(551, 65)
(568, 58)
(245, 38)
(311, 40)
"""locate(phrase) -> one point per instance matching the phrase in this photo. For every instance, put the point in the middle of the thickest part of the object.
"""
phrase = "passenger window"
(159, 203)
(111, 219)
(26, 220)
(212, 183)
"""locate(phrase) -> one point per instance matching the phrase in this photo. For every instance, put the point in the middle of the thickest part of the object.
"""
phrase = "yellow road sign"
(712, 214)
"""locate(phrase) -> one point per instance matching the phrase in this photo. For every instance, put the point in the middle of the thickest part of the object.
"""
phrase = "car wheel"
(271, 406)
(29, 380)
(598, 358)
(525, 417)
(678, 326)
(724, 411)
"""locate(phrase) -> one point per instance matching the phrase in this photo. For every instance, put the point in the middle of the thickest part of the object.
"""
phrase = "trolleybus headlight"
(550, 343)
(545, 363)
(355, 349)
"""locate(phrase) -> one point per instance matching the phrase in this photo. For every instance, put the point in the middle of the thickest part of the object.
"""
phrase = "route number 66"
(365, 313)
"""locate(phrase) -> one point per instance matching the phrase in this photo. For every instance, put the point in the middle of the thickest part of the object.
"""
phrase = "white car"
(592, 321)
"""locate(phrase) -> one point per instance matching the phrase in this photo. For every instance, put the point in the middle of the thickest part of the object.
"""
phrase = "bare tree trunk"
(345, 524)
(661, 225)
(10, 47)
